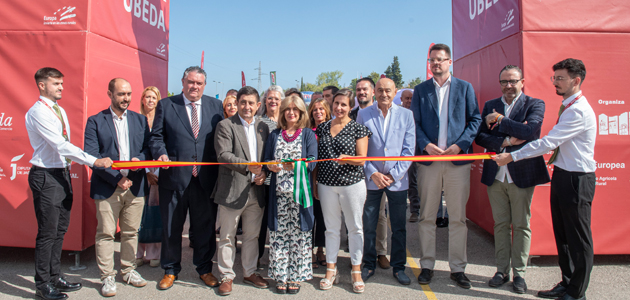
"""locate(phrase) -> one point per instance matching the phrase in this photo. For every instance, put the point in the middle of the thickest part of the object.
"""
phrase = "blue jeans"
(398, 218)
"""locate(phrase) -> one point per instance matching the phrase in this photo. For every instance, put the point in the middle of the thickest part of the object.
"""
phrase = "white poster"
(603, 124)
(623, 124)
(612, 125)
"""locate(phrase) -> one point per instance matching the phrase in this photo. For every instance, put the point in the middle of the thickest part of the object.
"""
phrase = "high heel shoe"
(358, 286)
(326, 284)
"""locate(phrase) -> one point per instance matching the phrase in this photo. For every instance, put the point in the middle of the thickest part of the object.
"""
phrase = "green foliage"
(329, 78)
(169, 94)
(414, 82)
(393, 72)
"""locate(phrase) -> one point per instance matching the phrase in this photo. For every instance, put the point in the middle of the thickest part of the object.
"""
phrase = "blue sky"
(302, 39)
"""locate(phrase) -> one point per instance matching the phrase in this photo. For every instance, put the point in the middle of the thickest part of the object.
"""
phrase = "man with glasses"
(572, 140)
(511, 122)
(447, 119)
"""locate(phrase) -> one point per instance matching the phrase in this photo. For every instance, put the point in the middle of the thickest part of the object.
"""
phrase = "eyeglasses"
(437, 60)
(559, 78)
(513, 82)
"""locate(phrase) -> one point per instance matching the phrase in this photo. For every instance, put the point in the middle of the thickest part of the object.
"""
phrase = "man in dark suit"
(239, 191)
(183, 130)
(365, 96)
(511, 122)
(119, 195)
(447, 119)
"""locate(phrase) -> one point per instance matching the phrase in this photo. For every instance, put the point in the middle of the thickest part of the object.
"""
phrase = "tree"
(309, 87)
(414, 82)
(374, 76)
(393, 72)
(329, 78)
(302, 84)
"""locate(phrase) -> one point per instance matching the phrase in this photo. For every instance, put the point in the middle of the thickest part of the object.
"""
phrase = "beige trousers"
(251, 213)
(455, 181)
(124, 208)
(381, 229)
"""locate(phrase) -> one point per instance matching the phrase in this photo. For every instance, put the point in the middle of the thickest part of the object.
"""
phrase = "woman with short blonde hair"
(229, 106)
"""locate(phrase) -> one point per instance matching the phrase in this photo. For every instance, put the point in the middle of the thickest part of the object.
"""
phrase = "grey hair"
(274, 88)
(195, 69)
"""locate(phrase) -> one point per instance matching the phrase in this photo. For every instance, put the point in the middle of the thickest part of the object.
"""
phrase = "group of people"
(262, 184)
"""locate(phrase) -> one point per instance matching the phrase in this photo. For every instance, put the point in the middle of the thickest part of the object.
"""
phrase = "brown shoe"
(383, 262)
(166, 282)
(257, 281)
(226, 286)
(209, 280)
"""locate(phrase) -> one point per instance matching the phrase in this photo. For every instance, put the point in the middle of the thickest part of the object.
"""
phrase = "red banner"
(243, 78)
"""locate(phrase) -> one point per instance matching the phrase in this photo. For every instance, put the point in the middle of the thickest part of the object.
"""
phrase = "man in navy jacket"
(119, 195)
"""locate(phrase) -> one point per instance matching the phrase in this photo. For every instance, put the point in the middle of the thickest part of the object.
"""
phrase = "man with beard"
(573, 183)
(365, 95)
(328, 93)
(447, 119)
(119, 195)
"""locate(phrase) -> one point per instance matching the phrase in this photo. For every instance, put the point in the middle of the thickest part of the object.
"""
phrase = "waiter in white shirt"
(49, 179)
(573, 181)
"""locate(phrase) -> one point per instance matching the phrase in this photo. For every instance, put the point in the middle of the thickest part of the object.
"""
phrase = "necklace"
(290, 138)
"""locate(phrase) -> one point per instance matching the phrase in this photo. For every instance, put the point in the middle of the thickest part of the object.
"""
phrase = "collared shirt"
(45, 133)
(250, 132)
(189, 109)
(122, 133)
(442, 93)
(385, 119)
(574, 135)
(507, 109)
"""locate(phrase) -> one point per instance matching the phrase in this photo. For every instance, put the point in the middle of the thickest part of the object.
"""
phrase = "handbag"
(150, 230)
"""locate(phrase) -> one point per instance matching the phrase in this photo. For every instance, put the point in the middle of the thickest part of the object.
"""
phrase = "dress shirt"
(574, 135)
(503, 171)
(442, 93)
(189, 109)
(45, 132)
(385, 119)
(250, 132)
(122, 133)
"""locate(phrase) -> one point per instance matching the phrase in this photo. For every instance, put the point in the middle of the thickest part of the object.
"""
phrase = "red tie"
(195, 129)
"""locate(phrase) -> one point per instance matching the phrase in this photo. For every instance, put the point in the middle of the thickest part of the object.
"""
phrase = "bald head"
(112, 83)
(405, 98)
(385, 93)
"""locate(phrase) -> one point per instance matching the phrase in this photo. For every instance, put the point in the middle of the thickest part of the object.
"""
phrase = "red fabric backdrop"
(101, 41)
(547, 32)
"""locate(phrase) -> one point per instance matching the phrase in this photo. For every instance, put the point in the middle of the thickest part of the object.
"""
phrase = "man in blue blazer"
(393, 130)
(183, 130)
(511, 122)
(447, 119)
(119, 195)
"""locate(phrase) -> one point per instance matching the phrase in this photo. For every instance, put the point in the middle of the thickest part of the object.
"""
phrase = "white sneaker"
(134, 279)
(109, 287)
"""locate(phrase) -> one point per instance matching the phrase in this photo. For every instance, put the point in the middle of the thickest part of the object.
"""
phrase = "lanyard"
(569, 105)
(65, 134)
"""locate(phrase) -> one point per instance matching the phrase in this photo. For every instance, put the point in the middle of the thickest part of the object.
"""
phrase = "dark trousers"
(398, 217)
(174, 205)
(571, 198)
(414, 196)
(319, 227)
(52, 199)
(262, 237)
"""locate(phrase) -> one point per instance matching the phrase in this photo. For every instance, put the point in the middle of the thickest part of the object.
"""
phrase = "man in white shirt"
(573, 183)
(49, 179)
(119, 195)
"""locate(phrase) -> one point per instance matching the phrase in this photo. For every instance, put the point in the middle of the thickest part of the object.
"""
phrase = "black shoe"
(64, 286)
(498, 280)
(366, 274)
(567, 297)
(556, 292)
(402, 277)
(414, 218)
(518, 285)
(461, 280)
(441, 222)
(50, 292)
(425, 276)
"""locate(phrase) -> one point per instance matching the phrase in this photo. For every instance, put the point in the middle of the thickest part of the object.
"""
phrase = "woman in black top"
(341, 186)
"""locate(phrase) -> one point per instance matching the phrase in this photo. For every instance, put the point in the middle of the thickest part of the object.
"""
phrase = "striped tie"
(63, 125)
(195, 128)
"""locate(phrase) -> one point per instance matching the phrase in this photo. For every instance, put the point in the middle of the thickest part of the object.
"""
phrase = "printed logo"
(476, 7)
(507, 24)
(161, 50)
(61, 16)
(610, 102)
(613, 124)
(14, 167)
(147, 12)
(5, 122)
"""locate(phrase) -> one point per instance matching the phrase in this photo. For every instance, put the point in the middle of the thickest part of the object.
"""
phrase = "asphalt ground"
(608, 279)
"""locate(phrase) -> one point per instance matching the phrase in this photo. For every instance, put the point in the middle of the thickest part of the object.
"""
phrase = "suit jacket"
(463, 116)
(354, 113)
(101, 141)
(230, 143)
(399, 140)
(524, 173)
(172, 135)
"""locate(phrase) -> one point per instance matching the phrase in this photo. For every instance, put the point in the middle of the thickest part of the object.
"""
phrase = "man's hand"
(105, 162)
(255, 169)
(260, 178)
(502, 159)
(314, 191)
(164, 158)
(491, 118)
(380, 180)
(134, 159)
(152, 178)
(274, 168)
(432, 149)
(289, 166)
(452, 150)
(515, 142)
(125, 183)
